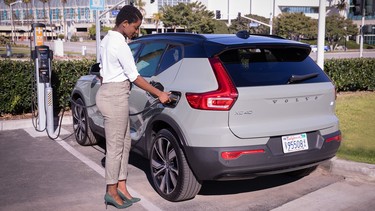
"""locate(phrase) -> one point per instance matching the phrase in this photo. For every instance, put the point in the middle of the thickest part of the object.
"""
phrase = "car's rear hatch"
(281, 91)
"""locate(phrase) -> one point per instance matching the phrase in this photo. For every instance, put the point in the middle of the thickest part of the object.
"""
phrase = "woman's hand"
(143, 84)
(164, 97)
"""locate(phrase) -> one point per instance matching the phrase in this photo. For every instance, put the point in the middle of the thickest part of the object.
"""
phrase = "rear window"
(271, 66)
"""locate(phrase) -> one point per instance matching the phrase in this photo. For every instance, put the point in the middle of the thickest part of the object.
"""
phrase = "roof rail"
(176, 34)
(269, 35)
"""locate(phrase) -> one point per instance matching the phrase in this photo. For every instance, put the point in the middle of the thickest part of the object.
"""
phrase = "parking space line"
(81, 157)
(100, 170)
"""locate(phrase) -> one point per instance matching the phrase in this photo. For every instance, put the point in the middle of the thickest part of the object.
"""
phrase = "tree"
(338, 28)
(8, 2)
(44, 10)
(50, 17)
(173, 15)
(295, 26)
(341, 5)
(202, 19)
(243, 24)
(156, 17)
(338, 8)
(140, 5)
(92, 30)
(64, 18)
(220, 27)
(193, 17)
(27, 16)
(49, 13)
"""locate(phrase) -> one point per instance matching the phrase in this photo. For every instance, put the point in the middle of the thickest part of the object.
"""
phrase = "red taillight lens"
(334, 138)
(236, 154)
(221, 99)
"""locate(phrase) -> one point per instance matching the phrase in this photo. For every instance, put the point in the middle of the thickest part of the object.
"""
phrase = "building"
(79, 17)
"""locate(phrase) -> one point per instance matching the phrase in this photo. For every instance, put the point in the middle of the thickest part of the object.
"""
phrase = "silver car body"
(256, 124)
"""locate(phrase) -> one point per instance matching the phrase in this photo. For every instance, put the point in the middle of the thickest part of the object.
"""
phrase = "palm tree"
(8, 2)
(27, 15)
(64, 18)
(156, 17)
(341, 7)
(50, 16)
(140, 5)
(49, 13)
(44, 9)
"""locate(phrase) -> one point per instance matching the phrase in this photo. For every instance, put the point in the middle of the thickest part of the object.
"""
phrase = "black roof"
(226, 39)
(203, 45)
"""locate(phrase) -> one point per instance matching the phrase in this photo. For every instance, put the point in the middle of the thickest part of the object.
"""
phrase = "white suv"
(245, 106)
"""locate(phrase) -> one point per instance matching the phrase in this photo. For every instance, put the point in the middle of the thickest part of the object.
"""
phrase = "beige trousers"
(112, 101)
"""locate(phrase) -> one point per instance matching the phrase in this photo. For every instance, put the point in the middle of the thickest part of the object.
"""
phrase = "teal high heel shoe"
(123, 197)
(110, 200)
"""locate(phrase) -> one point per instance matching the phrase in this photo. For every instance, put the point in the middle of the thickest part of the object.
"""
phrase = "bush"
(17, 77)
(74, 38)
(4, 40)
(352, 74)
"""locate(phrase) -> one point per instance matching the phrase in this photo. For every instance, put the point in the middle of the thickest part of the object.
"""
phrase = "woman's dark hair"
(128, 13)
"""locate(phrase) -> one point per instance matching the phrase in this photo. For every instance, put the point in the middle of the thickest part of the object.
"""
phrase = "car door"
(143, 105)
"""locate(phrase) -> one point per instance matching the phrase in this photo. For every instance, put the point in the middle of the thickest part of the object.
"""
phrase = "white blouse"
(116, 59)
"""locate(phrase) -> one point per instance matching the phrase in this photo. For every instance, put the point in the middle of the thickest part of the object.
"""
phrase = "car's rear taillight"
(221, 99)
(334, 138)
(236, 154)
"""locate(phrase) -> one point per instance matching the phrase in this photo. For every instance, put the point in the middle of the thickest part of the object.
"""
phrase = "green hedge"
(16, 79)
(357, 74)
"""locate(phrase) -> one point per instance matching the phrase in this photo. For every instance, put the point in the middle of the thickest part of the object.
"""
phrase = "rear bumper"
(207, 163)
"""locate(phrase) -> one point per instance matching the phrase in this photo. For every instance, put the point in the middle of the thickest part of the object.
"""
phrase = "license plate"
(295, 143)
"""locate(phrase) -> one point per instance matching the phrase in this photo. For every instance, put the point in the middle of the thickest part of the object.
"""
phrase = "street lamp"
(11, 16)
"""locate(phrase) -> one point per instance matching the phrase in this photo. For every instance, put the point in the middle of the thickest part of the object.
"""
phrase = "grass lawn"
(26, 51)
(356, 112)
(16, 50)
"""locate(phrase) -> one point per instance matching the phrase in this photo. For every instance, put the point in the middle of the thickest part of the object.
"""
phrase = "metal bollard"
(9, 50)
(83, 50)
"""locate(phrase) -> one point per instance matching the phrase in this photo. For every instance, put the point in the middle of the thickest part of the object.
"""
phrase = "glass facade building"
(50, 12)
(162, 3)
(294, 9)
(54, 11)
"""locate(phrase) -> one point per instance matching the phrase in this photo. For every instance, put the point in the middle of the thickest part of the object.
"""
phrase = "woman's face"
(130, 30)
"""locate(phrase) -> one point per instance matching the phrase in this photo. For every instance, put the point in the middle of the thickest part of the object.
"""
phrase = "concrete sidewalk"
(348, 169)
(38, 174)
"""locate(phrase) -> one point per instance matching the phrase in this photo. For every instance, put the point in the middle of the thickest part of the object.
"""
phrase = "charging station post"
(42, 57)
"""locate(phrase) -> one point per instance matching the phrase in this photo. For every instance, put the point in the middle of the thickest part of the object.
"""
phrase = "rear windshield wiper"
(299, 78)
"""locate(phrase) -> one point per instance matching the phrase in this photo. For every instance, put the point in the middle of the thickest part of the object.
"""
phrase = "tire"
(171, 175)
(82, 131)
(302, 172)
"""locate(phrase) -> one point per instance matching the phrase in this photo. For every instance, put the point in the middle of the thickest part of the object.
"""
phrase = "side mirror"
(95, 70)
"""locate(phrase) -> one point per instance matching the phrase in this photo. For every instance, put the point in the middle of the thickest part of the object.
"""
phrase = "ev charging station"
(42, 57)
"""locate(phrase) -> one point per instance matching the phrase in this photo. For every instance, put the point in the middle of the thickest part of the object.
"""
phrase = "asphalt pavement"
(52, 178)
(49, 177)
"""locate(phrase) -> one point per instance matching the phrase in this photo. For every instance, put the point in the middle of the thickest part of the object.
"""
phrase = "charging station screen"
(43, 56)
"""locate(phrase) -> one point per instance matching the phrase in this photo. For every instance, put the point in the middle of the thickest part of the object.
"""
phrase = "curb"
(27, 123)
(350, 169)
(345, 168)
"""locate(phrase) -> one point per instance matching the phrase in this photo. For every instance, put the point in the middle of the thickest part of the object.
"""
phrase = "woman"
(117, 71)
